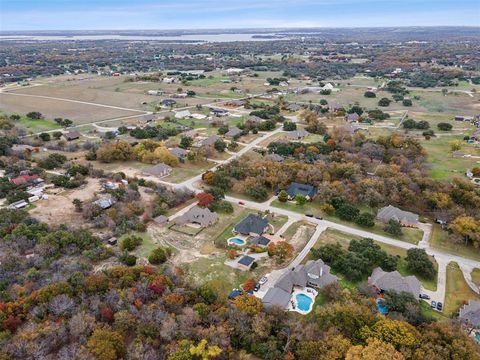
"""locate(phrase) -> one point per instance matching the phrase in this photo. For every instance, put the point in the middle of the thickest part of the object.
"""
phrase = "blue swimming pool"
(382, 307)
(304, 303)
(477, 337)
(236, 241)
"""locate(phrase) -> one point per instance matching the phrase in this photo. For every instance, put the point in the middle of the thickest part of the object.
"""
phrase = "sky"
(213, 14)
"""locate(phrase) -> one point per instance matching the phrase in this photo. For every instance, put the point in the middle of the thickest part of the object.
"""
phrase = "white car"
(263, 280)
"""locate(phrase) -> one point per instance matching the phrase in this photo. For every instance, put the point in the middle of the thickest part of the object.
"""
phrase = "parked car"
(424, 296)
(309, 215)
(241, 203)
(256, 288)
(318, 217)
(439, 306)
(263, 280)
(434, 304)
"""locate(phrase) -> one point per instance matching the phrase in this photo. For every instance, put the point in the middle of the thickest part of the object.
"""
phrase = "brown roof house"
(233, 132)
(72, 135)
(382, 281)
(197, 216)
(159, 170)
(405, 218)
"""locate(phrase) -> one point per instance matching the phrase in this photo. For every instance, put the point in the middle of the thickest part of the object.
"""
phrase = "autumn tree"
(248, 285)
(248, 304)
(105, 344)
(205, 351)
(395, 332)
(205, 199)
(375, 350)
(468, 228)
(280, 250)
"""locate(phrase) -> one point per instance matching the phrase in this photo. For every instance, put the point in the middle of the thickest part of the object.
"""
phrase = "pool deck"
(311, 293)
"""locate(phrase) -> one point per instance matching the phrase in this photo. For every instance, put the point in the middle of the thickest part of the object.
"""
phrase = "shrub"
(444, 126)
(369, 94)
(158, 255)
(129, 243)
(384, 102)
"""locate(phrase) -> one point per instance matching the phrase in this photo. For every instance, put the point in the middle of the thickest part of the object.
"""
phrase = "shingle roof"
(178, 152)
(233, 132)
(104, 203)
(471, 313)
(391, 212)
(202, 216)
(260, 240)
(276, 297)
(394, 281)
(252, 224)
(246, 260)
(72, 135)
(301, 189)
(211, 140)
(158, 169)
(297, 134)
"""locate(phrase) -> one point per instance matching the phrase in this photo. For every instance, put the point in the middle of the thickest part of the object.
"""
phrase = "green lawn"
(188, 170)
(410, 235)
(476, 276)
(277, 221)
(146, 247)
(441, 240)
(457, 290)
(292, 229)
(35, 126)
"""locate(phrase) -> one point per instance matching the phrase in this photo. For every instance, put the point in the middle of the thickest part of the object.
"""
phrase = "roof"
(24, 179)
(178, 152)
(260, 240)
(210, 140)
(235, 293)
(168, 102)
(158, 170)
(147, 118)
(294, 107)
(274, 157)
(301, 189)
(161, 219)
(276, 297)
(297, 134)
(105, 202)
(391, 212)
(353, 117)
(252, 224)
(202, 216)
(72, 135)
(182, 114)
(471, 313)
(246, 260)
(254, 119)
(233, 132)
(219, 111)
(394, 281)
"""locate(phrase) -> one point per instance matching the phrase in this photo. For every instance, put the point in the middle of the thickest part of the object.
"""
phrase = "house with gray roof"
(197, 215)
(315, 273)
(178, 152)
(260, 241)
(211, 140)
(470, 314)
(405, 218)
(159, 170)
(72, 135)
(382, 281)
(274, 157)
(105, 202)
(295, 189)
(245, 262)
(293, 107)
(252, 225)
(276, 297)
(233, 132)
(145, 119)
(352, 117)
(297, 134)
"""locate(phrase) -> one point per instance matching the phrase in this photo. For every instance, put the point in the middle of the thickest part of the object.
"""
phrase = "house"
(198, 116)
(295, 189)
(18, 204)
(352, 117)
(261, 241)
(180, 95)
(145, 119)
(112, 241)
(315, 273)
(405, 218)
(178, 152)
(159, 170)
(155, 92)
(334, 106)
(168, 102)
(297, 134)
(219, 112)
(383, 281)
(198, 216)
(105, 202)
(328, 86)
(233, 132)
(234, 103)
(252, 225)
(254, 120)
(470, 314)
(72, 135)
(168, 80)
(160, 220)
(459, 118)
(191, 133)
(274, 157)
(182, 114)
(25, 179)
(245, 262)
(211, 140)
(234, 71)
(294, 107)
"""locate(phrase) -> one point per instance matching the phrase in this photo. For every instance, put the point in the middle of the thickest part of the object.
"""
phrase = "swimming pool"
(477, 337)
(304, 302)
(382, 307)
(236, 241)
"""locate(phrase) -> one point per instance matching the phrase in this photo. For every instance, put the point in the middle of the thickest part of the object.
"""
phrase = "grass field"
(187, 170)
(145, 248)
(441, 240)
(457, 291)
(476, 276)
(410, 235)
(36, 126)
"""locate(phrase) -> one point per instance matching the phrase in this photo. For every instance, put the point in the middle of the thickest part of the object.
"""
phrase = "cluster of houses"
(34, 187)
